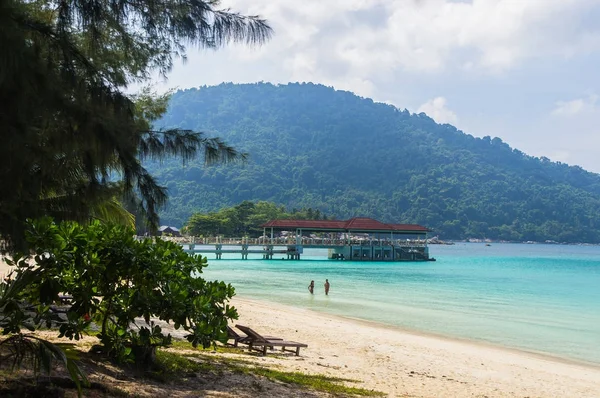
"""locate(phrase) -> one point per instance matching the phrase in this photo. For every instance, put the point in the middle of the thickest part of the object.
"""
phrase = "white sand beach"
(4, 268)
(407, 364)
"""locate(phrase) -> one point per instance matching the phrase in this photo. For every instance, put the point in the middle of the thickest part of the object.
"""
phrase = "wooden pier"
(292, 248)
(358, 239)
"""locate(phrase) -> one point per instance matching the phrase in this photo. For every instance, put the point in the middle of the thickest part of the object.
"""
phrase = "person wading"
(326, 287)
(311, 287)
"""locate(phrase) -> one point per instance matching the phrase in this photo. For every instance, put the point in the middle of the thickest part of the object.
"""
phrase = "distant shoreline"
(484, 241)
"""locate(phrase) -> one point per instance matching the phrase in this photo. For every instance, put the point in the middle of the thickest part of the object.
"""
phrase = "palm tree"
(72, 140)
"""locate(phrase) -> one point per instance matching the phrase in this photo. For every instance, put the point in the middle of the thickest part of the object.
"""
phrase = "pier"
(358, 239)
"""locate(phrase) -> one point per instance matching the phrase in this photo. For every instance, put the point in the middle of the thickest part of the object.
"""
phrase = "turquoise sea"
(539, 298)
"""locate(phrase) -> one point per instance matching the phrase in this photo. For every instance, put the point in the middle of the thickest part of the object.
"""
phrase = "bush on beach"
(117, 282)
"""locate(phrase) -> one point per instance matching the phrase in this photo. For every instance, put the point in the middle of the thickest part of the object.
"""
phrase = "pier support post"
(244, 252)
(218, 252)
(268, 255)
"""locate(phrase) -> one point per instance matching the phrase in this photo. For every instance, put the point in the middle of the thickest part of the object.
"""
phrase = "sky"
(527, 71)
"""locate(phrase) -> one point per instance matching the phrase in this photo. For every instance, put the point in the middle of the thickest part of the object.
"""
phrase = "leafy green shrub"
(118, 282)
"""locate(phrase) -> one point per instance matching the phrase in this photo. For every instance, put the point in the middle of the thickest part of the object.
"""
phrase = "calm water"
(542, 298)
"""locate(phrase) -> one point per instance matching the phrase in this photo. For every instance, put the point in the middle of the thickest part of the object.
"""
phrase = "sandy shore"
(4, 268)
(402, 363)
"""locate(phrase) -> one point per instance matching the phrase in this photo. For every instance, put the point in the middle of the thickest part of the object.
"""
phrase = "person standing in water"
(311, 287)
(326, 287)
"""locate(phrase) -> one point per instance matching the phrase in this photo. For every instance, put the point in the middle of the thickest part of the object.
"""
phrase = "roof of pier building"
(356, 224)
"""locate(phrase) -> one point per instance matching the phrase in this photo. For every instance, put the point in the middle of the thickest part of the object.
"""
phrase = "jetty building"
(357, 239)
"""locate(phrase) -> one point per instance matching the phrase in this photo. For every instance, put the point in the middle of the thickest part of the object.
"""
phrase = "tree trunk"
(145, 356)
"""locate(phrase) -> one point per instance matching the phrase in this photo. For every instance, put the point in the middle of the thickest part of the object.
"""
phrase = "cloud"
(576, 106)
(569, 108)
(436, 109)
(427, 35)
(570, 132)
(345, 43)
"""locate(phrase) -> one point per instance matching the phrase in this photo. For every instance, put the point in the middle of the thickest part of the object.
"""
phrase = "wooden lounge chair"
(254, 339)
(241, 338)
(235, 336)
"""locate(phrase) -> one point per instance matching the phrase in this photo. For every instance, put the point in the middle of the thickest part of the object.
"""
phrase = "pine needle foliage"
(72, 139)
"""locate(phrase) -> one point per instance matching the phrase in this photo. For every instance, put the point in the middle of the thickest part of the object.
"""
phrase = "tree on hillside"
(244, 219)
(73, 140)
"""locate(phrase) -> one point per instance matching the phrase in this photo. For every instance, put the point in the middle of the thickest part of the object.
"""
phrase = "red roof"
(319, 224)
(408, 227)
(354, 224)
(366, 223)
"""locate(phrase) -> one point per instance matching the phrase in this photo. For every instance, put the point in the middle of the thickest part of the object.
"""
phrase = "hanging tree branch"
(68, 125)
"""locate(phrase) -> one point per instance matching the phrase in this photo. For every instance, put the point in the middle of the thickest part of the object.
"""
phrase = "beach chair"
(260, 343)
(235, 336)
(241, 338)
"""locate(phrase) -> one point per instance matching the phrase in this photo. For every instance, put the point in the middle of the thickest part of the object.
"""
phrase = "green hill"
(314, 147)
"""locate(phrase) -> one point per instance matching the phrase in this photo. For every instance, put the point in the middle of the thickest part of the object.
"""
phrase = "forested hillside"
(313, 147)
